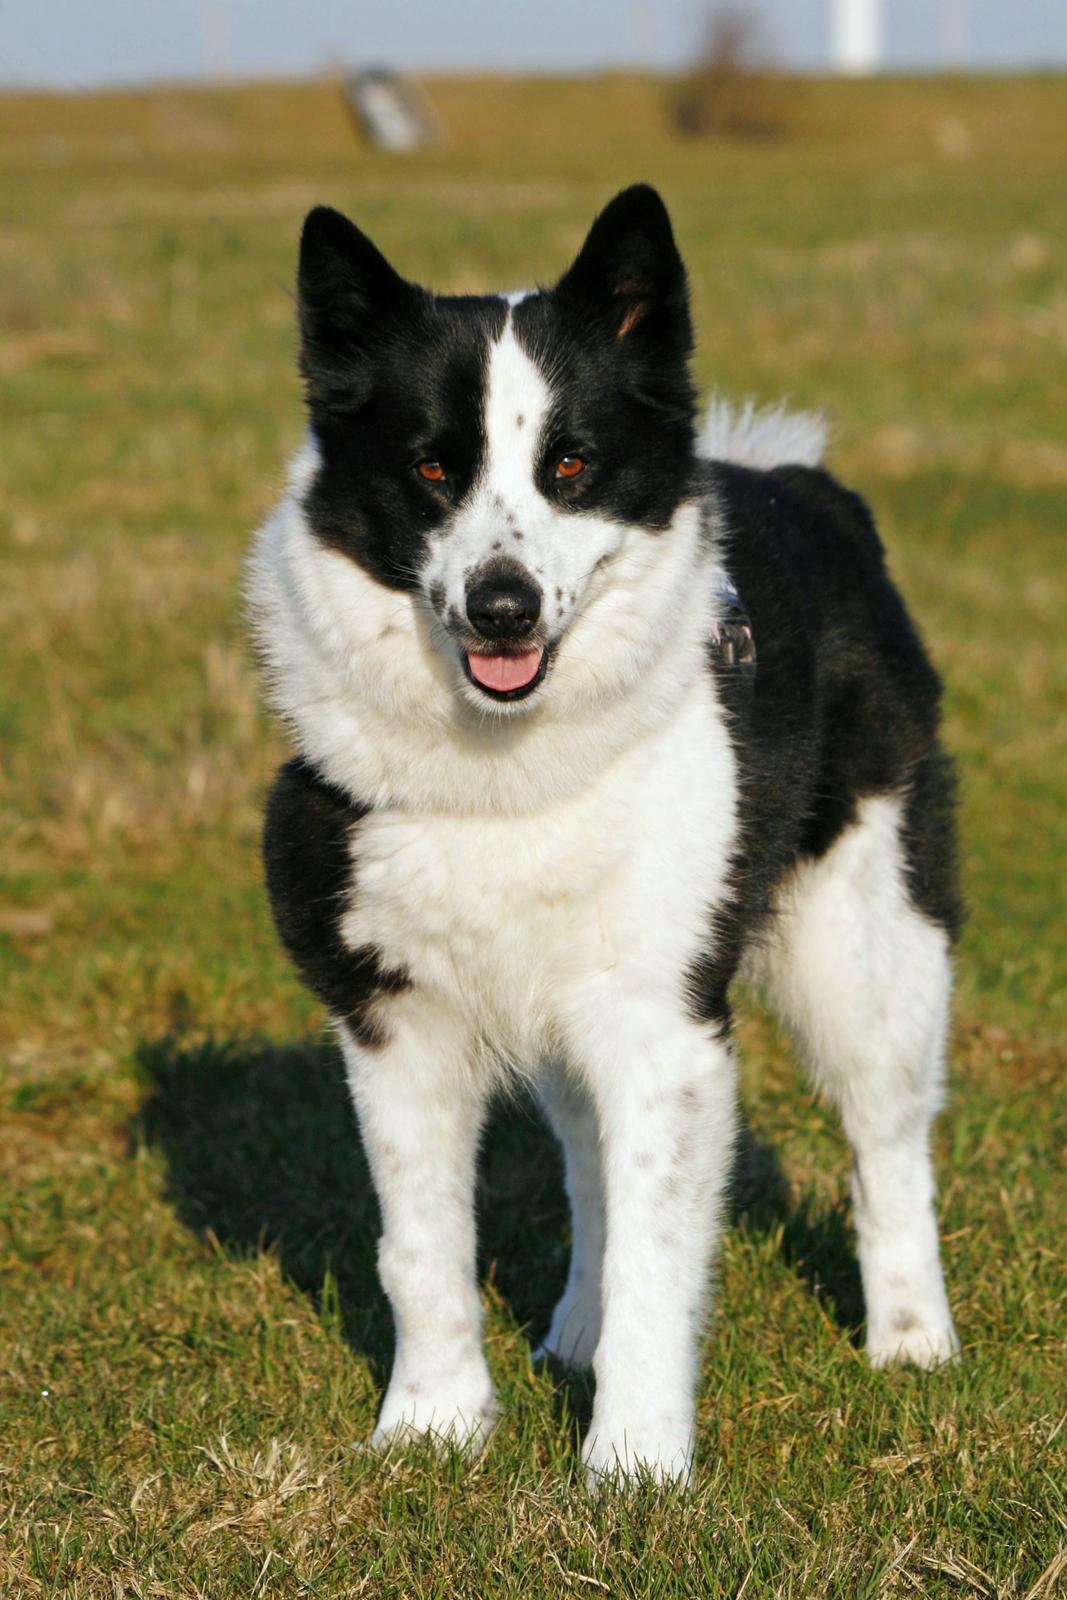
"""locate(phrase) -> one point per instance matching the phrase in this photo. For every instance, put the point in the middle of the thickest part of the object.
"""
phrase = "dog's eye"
(569, 466)
(431, 471)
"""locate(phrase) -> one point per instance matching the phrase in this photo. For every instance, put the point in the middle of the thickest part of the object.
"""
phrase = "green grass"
(191, 1330)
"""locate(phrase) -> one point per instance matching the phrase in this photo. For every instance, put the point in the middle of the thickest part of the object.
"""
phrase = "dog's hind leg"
(420, 1105)
(575, 1328)
(863, 979)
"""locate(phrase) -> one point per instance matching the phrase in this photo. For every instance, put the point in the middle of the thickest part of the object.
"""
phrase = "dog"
(596, 710)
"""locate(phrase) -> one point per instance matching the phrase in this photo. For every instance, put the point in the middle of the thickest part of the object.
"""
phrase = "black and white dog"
(594, 714)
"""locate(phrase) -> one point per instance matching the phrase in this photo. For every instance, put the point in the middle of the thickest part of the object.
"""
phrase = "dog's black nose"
(503, 606)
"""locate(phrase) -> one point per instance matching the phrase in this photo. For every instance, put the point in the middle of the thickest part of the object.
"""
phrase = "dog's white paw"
(914, 1335)
(463, 1421)
(659, 1450)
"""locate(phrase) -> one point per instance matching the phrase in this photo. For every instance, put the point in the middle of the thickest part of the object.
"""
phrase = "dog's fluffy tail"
(761, 436)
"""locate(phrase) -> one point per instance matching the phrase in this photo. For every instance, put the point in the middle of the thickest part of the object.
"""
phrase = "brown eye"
(569, 466)
(431, 471)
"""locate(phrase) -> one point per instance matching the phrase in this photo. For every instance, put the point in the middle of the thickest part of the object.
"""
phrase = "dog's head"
(492, 455)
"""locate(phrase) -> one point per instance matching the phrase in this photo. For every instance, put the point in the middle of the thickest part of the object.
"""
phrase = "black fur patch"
(930, 841)
(844, 703)
(306, 853)
(394, 376)
(614, 338)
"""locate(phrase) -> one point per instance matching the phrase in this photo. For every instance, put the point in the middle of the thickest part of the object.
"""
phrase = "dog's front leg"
(665, 1092)
(420, 1109)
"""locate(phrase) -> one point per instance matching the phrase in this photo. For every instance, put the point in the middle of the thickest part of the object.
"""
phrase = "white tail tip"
(761, 436)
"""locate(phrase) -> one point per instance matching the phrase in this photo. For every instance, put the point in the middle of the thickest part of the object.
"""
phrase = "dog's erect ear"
(346, 291)
(629, 274)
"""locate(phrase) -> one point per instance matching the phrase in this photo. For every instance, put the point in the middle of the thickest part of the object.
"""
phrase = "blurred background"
(872, 201)
(126, 41)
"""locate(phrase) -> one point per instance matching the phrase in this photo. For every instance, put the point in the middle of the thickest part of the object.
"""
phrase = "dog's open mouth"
(506, 677)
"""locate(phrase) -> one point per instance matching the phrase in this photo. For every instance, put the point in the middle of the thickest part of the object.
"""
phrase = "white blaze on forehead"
(517, 401)
(508, 514)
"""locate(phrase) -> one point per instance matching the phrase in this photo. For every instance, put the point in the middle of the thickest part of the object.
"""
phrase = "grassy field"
(191, 1332)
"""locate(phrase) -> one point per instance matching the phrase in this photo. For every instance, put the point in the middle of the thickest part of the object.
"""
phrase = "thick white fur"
(545, 879)
(864, 982)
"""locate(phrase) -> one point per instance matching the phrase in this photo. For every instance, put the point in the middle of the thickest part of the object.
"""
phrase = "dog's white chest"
(506, 918)
(491, 915)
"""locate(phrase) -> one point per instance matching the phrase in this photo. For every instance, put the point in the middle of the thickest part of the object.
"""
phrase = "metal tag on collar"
(734, 640)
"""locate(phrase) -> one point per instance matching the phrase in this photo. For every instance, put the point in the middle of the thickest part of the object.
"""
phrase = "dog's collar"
(733, 640)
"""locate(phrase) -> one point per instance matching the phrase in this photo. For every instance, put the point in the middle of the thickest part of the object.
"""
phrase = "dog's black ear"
(346, 293)
(629, 274)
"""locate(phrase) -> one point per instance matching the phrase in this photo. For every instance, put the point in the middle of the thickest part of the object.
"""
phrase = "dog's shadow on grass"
(261, 1148)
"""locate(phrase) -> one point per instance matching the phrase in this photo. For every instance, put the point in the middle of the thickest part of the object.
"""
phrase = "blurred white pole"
(856, 36)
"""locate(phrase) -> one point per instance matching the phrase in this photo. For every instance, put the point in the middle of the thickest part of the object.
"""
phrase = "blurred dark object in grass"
(391, 113)
(732, 90)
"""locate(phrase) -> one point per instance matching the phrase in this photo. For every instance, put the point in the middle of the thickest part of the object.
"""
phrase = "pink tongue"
(504, 672)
